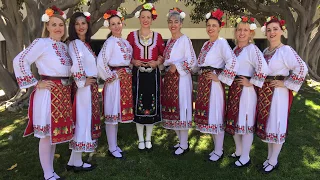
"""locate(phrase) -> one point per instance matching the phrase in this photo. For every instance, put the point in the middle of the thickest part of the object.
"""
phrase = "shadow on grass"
(299, 158)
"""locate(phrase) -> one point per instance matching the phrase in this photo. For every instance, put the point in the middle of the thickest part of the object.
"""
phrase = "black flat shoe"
(273, 168)
(49, 178)
(220, 157)
(184, 151)
(111, 155)
(69, 168)
(81, 168)
(242, 165)
(234, 155)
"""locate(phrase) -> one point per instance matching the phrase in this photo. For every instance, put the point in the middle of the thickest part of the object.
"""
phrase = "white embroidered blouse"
(51, 58)
(180, 52)
(284, 60)
(84, 62)
(115, 52)
(252, 64)
(218, 54)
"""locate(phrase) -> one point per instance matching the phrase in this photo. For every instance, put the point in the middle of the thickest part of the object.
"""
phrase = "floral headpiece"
(249, 20)
(87, 15)
(109, 14)
(182, 14)
(281, 22)
(150, 7)
(216, 14)
(51, 11)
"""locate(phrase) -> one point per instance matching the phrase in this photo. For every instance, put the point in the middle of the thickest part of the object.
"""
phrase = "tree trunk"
(7, 83)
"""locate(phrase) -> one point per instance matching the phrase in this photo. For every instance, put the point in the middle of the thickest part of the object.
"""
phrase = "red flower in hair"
(252, 19)
(88, 18)
(54, 8)
(282, 22)
(217, 14)
(222, 24)
(244, 18)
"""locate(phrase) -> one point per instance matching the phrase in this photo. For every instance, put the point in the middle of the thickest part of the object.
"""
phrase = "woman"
(242, 101)
(217, 64)
(176, 102)
(50, 108)
(86, 109)
(147, 47)
(113, 67)
(275, 96)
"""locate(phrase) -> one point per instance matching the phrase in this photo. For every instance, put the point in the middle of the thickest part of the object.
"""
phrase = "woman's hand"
(153, 64)
(172, 68)
(45, 85)
(212, 76)
(160, 59)
(90, 81)
(137, 63)
(243, 81)
(277, 83)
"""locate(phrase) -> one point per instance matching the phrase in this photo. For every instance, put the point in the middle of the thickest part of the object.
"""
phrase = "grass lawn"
(299, 159)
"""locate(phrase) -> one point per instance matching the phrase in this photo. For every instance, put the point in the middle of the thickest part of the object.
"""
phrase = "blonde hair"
(252, 34)
(45, 32)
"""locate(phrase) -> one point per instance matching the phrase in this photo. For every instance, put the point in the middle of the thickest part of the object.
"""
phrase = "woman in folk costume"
(275, 96)
(218, 65)
(242, 98)
(86, 109)
(113, 67)
(50, 108)
(147, 47)
(176, 102)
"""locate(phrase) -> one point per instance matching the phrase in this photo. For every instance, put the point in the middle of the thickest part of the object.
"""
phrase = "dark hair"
(215, 19)
(72, 30)
(110, 33)
(274, 21)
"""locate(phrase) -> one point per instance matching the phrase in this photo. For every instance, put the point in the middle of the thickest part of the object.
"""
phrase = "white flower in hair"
(106, 23)
(119, 14)
(45, 18)
(263, 29)
(208, 15)
(64, 16)
(238, 20)
(253, 26)
(87, 14)
(137, 14)
(182, 15)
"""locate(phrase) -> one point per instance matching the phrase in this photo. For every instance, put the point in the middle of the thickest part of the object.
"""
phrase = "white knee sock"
(276, 148)
(270, 149)
(246, 146)
(183, 141)
(116, 139)
(238, 142)
(45, 157)
(149, 129)
(111, 133)
(213, 140)
(140, 128)
(71, 159)
(179, 137)
(53, 150)
(218, 146)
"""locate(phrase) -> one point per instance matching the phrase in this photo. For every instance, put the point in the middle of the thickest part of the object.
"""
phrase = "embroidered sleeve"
(260, 65)
(298, 68)
(77, 70)
(189, 64)
(23, 61)
(104, 57)
(230, 70)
